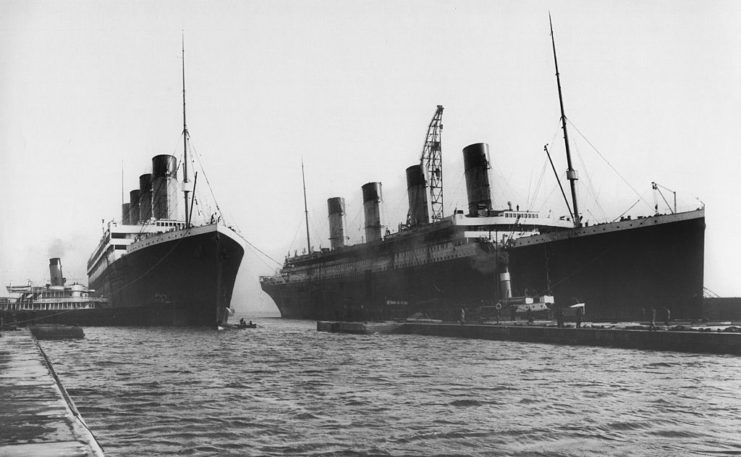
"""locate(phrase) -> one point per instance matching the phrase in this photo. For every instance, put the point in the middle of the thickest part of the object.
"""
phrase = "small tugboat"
(242, 324)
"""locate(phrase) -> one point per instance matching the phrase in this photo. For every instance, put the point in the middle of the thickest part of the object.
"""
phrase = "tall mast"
(570, 173)
(186, 191)
(306, 210)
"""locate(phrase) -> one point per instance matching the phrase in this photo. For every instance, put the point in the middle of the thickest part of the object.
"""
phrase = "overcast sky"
(88, 88)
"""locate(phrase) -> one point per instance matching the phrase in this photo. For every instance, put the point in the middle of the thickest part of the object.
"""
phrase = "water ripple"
(285, 389)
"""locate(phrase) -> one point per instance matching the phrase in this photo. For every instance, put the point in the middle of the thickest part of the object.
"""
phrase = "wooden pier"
(37, 417)
(661, 339)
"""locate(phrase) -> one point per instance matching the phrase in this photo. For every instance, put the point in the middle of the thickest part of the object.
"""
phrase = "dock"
(360, 328)
(37, 417)
(705, 340)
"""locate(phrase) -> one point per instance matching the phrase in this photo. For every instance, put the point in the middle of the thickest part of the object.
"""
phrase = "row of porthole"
(355, 272)
(594, 230)
(432, 255)
(170, 237)
(403, 265)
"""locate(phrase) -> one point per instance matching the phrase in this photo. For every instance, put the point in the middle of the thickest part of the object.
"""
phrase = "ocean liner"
(158, 266)
(436, 265)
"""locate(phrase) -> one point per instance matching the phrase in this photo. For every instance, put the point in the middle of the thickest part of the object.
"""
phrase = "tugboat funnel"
(55, 271)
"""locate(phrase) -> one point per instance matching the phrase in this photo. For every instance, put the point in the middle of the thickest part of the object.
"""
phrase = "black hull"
(184, 281)
(387, 295)
(620, 274)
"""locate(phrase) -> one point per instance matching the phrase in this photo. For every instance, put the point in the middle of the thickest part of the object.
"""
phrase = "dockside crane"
(432, 162)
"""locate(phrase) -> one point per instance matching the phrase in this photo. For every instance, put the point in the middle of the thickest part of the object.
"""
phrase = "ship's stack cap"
(336, 210)
(336, 205)
(165, 187)
(134, 208)
(164, 165)
(418, 212)
(145, 197)
(145, 182)
(476, 165)
(372, 209)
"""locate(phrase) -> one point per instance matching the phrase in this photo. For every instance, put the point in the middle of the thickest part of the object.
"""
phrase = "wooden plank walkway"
(37, 417)
(661, 339)
(658, 340)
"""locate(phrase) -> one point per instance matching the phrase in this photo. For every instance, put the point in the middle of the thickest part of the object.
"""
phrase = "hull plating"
(620, 274)
(185, 281)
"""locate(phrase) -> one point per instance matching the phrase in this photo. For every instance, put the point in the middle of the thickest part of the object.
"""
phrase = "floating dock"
(37, 417)
(361, 328)
(705, 340)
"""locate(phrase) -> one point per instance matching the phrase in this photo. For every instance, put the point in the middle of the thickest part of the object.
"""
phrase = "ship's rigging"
(190, 153)
(306, 210)
(186, 190)
(570, 173)
(657, 188)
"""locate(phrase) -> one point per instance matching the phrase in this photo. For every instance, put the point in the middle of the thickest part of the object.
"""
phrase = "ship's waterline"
(181, 277)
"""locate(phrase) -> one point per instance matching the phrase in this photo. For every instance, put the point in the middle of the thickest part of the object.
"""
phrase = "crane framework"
(432, 162)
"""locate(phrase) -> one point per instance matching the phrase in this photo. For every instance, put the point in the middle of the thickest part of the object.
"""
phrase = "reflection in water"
(284, 389)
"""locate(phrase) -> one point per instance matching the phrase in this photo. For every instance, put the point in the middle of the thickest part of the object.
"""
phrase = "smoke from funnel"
(55, 248)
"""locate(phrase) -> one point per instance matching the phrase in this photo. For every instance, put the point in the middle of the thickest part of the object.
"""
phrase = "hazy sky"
(350, 86)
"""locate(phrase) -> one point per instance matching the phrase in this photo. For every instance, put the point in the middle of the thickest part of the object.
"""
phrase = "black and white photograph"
(370, 228)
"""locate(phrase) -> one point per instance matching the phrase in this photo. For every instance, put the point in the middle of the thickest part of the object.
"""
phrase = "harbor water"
(286, 389)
